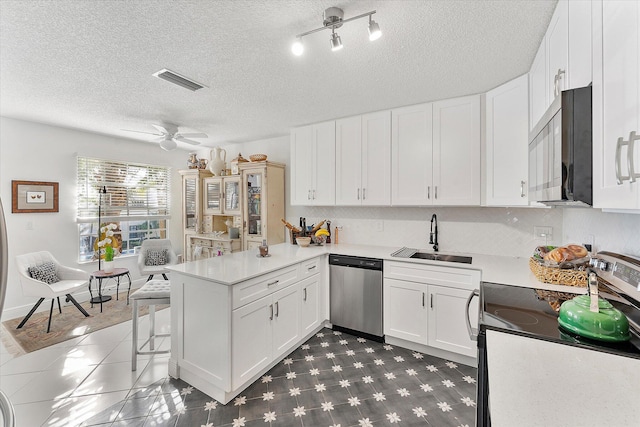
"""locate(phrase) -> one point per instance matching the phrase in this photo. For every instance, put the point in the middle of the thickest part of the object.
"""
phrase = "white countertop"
(238, 266)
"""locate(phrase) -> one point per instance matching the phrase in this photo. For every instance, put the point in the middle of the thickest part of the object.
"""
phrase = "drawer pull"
(277, 309)
(312, 267)
(305, 294)
(275, 282)
(271, 307)
(423, 299)
(431, 300)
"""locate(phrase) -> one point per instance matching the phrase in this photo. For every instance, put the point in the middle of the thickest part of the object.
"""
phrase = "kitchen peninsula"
(236, 316)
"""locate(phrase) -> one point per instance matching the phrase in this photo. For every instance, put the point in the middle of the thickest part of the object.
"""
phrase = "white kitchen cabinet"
(405, 313)
(557, 40)
(445, 303)
(616, 104)
(579, 73)
(412, 155)
(286, 320)
(538, 92)
(313, 164)
(507, 139)
(426, 305)
(363, 166)
(456, 151)
(309, 297)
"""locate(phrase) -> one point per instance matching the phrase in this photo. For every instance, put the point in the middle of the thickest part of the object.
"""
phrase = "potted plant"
(106, 246)
(108, 259)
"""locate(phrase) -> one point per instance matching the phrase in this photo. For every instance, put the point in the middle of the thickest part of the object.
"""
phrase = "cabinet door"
(405, 312)
(252, 343)
(253, 182)
(212, 195)
(411, 155)
(538, 93)
(507, 109)
(348, 161)
(231, 196)
(301, 167)
(557, 39)
(447, 320)
(579, 72)
(376, 159)
(323, 161)
(616, 110)
(309, 304)
(286, 322)
(456, 151)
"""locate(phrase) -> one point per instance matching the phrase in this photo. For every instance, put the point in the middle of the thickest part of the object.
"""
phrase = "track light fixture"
(333, 18)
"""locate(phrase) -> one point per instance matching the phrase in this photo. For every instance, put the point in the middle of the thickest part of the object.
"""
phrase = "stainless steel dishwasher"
(356, 295)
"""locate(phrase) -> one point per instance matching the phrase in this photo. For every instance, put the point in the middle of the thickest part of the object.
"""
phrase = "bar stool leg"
(152, 326)
(134, 338)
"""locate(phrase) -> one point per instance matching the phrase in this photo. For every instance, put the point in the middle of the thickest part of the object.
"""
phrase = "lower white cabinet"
(426, 305)
(309, 297)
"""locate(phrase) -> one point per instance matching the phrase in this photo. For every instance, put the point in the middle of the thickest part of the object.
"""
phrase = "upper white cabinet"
(456, 151)
(563, 60)
(412, 155)
(313, 164)
(363, 165)
(435, 153)
(616, 108)
(506, 151)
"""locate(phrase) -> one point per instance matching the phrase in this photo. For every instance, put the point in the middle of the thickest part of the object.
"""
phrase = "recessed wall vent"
(177, 79)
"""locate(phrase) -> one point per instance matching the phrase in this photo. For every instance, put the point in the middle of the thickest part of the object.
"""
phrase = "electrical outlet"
(379, 225)
(540, 232)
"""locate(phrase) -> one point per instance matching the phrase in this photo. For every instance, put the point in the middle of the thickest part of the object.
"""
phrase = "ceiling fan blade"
(180, 138)
(139, 131)
(193, 135)
(161, 128)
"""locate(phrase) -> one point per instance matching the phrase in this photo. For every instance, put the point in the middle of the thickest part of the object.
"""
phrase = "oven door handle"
(473, 332)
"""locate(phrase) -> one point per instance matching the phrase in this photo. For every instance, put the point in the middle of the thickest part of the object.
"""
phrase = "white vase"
(108, 267)
(217, 162)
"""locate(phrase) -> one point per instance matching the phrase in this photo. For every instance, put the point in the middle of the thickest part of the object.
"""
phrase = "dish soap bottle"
(264, 248)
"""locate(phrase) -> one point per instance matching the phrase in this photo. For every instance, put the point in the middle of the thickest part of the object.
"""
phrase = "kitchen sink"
(442, 257)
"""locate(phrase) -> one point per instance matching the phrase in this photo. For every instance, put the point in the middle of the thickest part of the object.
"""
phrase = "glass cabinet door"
(190, 203)
(213, 195)
(254, 183)
(232, 195)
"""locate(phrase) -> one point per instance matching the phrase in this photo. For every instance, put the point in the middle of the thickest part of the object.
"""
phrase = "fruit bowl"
(303, 241)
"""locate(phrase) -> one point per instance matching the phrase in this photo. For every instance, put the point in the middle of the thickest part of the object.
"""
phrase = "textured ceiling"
(88, 64)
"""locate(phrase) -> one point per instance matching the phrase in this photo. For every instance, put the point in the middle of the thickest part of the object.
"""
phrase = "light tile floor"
(332, 380)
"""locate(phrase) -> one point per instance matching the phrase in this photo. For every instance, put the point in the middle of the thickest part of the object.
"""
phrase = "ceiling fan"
(169, 136)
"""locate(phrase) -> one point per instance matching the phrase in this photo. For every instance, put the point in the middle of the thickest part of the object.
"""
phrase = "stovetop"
(534, 313)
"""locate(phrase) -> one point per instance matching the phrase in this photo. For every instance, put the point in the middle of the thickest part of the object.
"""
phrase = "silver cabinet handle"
(277, 309)
(423, 299)
(619, 177)
(305, 294)
(556, 82)
(473, 332)
(429, 192)
(271, 307)
(431, 301)
(309, 195)
(314, 194)
(436, 192)
(364, 194)
(275, 282)
(630, 152)
(358, 194)
(522, 188)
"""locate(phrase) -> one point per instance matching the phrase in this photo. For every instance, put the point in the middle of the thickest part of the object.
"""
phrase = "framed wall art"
(34, 196)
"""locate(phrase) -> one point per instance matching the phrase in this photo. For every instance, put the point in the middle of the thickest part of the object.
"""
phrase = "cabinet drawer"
(253, 289)
(434, 275)
(205, 243)
(309, 268)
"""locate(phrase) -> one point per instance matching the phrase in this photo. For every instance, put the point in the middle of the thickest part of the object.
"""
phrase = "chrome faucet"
(433, 235)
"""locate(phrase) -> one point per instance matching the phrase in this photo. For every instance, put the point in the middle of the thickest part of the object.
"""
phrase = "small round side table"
(100, 275)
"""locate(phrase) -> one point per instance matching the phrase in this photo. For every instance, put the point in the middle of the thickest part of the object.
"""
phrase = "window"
(137, 201)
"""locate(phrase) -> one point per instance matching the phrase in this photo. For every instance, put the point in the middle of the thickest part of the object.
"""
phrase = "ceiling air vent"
(177, 79)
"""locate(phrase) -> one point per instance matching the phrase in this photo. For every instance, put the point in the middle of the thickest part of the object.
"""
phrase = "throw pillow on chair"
(45, 273)
(156, 257)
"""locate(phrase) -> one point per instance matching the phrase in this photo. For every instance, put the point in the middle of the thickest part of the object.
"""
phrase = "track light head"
(336, 43)
(374, 30)
(297, 48)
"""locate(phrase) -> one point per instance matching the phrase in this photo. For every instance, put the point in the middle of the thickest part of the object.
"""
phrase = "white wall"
(37, 152)
(614, 232)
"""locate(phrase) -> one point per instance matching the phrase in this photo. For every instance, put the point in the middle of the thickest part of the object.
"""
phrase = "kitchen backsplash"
(615, 232)
(494, 231)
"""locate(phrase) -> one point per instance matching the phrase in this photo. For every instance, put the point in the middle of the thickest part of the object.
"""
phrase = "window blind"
(134, 190)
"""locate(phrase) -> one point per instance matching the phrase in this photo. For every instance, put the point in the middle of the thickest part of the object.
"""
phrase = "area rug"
(66, 325)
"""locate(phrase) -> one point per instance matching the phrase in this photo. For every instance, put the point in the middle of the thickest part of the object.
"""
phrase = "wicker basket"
(258, 157)
(558, 276)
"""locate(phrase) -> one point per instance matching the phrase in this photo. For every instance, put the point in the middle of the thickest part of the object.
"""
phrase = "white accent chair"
(152, 293)
(148, 261)
(70, 280)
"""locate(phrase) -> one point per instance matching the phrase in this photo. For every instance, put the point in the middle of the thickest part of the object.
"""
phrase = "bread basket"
(557, 276)
(258, 157)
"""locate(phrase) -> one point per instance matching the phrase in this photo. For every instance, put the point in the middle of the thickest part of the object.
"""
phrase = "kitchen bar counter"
(234, 268)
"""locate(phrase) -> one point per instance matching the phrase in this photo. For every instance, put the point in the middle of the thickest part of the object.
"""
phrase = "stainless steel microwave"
(560, 152)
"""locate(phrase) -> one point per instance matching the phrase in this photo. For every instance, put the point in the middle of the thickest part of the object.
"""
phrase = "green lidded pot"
(609, 324)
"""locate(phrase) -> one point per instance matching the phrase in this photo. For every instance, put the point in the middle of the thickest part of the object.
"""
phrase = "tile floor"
(332, 380)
